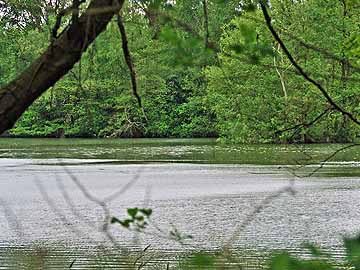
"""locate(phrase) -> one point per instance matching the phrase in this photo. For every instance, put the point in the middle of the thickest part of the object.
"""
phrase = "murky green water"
(174, 150)
(197, 186)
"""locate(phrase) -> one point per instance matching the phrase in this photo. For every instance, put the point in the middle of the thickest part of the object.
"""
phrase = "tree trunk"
(55, 62)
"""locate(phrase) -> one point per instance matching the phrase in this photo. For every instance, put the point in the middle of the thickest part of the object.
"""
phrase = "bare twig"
(71, 204)
(323, 162)
(328, 54)
(305, 125)
(283, 68)
(59, 213)
(12, 219)
(123, 189)
(103, 205)
(281, 77)
(263, 205)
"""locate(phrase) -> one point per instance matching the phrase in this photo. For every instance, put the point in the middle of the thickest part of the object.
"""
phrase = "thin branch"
(326, 53)
(57, 25)
(12, 219)
(206, 23)
(323, 162)
(282, 68)
(128, 58)
(59, 213)
(282, 81)
(299, 68)
(103, 205)
(305, 125)
(323, 51)
(258, 209)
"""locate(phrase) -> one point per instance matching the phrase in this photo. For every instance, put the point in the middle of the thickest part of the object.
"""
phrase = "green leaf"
(139, 218)
(352, 246)
(146, 211)
(114, 220)
(132, 211)
(126, 223)
(204, 260)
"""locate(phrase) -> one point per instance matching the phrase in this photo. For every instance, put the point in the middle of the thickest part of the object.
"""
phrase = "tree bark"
(55, 62)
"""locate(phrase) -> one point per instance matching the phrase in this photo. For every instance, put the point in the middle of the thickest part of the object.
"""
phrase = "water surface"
(196, 187)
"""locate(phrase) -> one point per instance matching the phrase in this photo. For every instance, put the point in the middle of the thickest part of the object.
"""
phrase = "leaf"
(203, 260)
(280, 262)
(114, 220)
(352, 246)
(126, 223)
(132, 211)
(146, 211)
(139, 218)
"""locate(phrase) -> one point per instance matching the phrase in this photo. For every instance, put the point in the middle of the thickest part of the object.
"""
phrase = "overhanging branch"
(299, 68)
(128, 58)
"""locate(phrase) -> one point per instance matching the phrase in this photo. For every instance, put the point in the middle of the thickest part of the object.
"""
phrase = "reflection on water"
(208, 194)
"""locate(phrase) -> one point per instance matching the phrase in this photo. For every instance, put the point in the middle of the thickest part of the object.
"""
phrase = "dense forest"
(203, 69)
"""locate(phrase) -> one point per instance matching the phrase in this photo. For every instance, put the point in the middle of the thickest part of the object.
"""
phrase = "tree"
(193, 37)
(60, 56)
(261, 110)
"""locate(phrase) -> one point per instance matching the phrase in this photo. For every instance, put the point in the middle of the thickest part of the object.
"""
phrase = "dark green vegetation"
(200, 72)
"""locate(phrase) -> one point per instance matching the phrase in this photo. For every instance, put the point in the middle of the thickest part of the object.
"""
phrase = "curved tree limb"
(299, 68)
(57, 60)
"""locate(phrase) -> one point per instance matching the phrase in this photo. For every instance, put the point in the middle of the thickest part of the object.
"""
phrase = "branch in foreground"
(299, 68)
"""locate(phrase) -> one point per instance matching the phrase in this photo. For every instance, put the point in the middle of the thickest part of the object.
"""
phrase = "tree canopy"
(246, 71)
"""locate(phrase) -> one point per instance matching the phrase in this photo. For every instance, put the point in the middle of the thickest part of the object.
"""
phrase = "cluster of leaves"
(137, 219)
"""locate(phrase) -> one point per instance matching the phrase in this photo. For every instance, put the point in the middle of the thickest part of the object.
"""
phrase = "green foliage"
(315, 260)
(244, 89)
(95, 99)
(137, 219)
(200, 261)
(254, 90)
(319, 260)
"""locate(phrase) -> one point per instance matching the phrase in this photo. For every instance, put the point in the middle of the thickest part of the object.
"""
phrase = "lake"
(55, 194)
